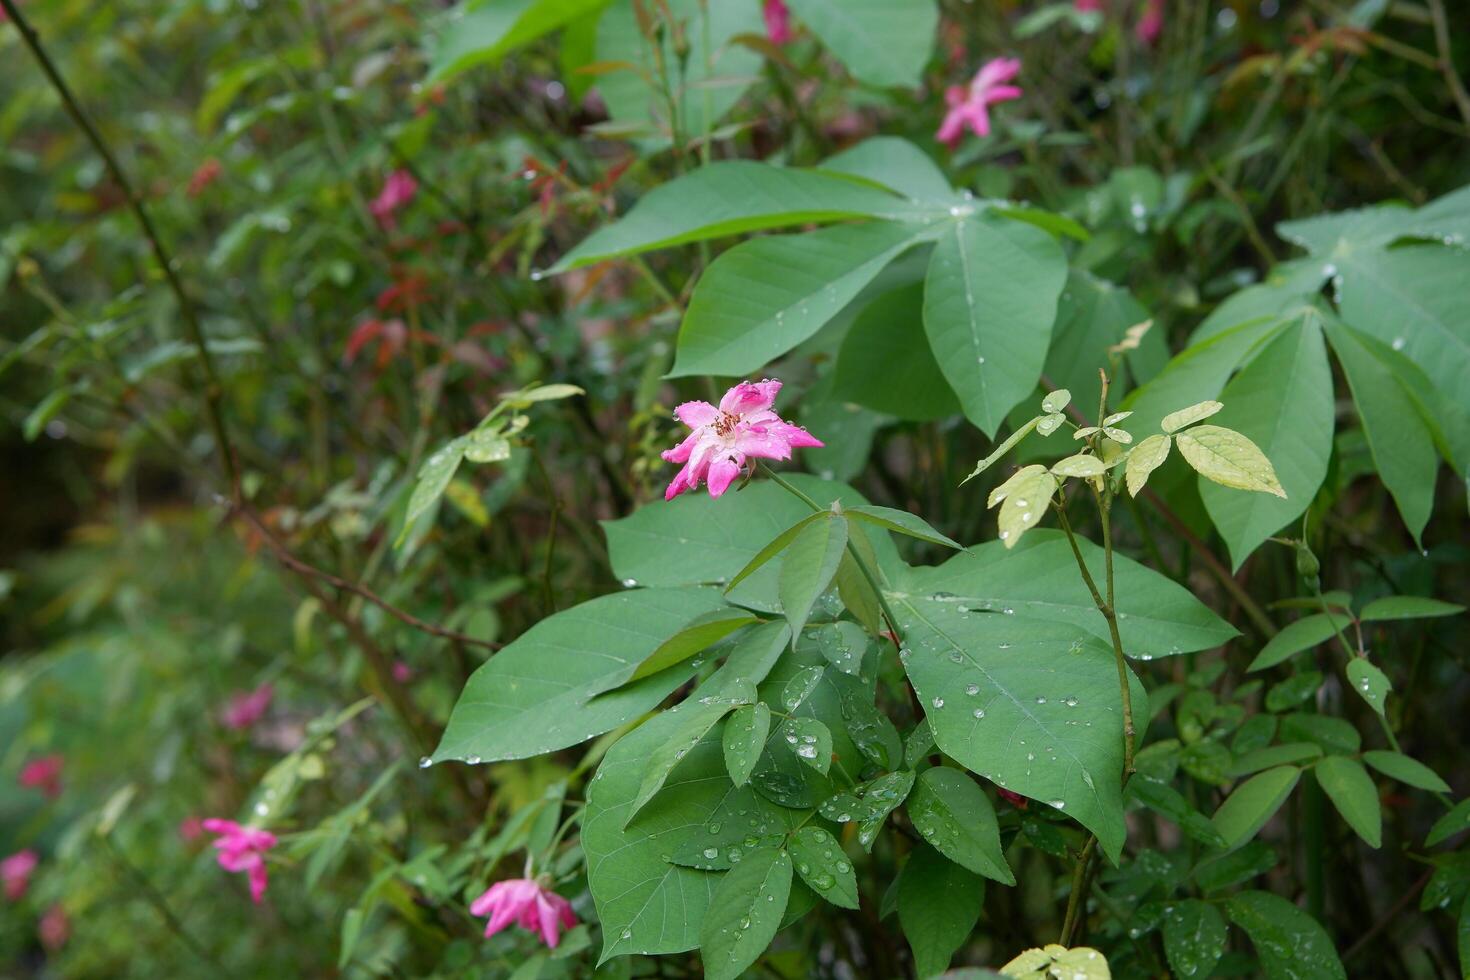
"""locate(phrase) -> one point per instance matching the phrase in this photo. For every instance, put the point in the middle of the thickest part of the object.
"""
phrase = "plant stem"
(213, 399)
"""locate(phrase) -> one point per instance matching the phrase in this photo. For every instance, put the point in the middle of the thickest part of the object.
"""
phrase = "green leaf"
(810, 741)
(731, 198)
(1335, 735)
(1293, 691)
(1246, 810)
(895, 163)
(956, 817)
(1039, 580)
(1457, 820)
(1371, 683)
(745, 912)
(989, 303)
(777, 545)
(1399, 437)
(46, 410)
(1030, 705)
(644, 903)
(1271, 756)
(903, 522)
(1290, 944)
(1143, 459)
(801, 685)
(1407, 607)
(1307, 632)
(822, 865)
(744, 738)
(938, 905)
(808, 568)
(1462, 931)
(1408, 300)
(1406, 770)
(695, 719)
(1282, 403)
(541, 393)
(433, 477)
(1005, 447)
(886, 366)
(1194, 937)
(882, 42)
(763, 297)
(1024, 505)
(1350, 788)
(477, 32)
(701, 634)
(1229, 459)
(1163, 799)
(695, 539)
(539, 693)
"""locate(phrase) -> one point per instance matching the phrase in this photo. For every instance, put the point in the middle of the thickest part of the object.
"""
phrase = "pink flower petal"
(749, 397)
(722, 473)
(695, 414)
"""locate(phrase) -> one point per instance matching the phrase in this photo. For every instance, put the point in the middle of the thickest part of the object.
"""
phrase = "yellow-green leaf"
(1229, 459)
(1175, 421)
(1144, 458)
(1024, 505)
(1082, 464)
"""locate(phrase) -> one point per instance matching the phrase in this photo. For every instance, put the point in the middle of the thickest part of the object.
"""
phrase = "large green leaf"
(483, 31)
(745, 913)
(1290, 944)
(696, 717)
(730, 198)
(1411, 300)
(696, 539)
(705, 85)
(989, 303)
(882, 42)
(938, 905)
(539, 693)
(1282, 401)
(897, 164)
(958, 820)
(885, 363)
(808, 567)
(763, 297)
(1246, 810)
(1399, 436)
(645, 903)
(1038, 579)
(1032, 706)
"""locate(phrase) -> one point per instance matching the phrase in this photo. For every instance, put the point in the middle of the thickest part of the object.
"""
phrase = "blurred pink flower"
(244, 708)
(398, 190)
(15, 873)
(1087, 6)
(242, 849)
(968, 104)
(1151, 24)
(402, 672)
(778, 21)
(529, 905)
(43, 774)
(743, 426)
(54, 928)
(190, 828)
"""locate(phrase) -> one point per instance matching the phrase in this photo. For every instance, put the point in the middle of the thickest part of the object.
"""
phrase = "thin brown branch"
(1446, 60)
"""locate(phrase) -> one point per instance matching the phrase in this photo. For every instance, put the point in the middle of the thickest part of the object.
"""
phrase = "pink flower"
(402, 672)
(246, 707)
(1151, 24)
(15, 873)
(529, 905)
(190, 828)
(1087, 6)
(43, 774)
(54, 928)
(968, 104)
(242, 849)
(778, 21)
(723, 438)
(398, 190)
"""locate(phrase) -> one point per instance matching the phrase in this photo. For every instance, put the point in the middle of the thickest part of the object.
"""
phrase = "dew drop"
(938, 702)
